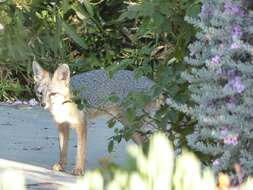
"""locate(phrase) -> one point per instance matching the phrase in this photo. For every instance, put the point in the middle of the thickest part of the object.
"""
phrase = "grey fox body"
(96, 85)
(54, 94)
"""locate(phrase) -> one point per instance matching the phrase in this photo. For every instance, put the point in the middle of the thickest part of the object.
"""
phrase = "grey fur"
(95, 86)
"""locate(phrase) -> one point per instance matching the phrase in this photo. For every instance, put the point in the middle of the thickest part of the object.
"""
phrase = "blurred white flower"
(33, 102)
(17, 102)
(1, 27)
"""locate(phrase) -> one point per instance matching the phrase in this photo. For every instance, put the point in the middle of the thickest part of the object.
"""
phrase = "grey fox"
(54, 94)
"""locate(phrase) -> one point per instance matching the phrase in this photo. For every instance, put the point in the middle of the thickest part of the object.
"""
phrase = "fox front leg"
(81, 133)
(63, 130)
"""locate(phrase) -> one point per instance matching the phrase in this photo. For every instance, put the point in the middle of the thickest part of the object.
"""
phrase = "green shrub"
(149, 37)
(155, 170)
(159, 37)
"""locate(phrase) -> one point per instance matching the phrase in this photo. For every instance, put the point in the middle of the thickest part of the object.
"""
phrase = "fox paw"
(78, 171)
(58, 167)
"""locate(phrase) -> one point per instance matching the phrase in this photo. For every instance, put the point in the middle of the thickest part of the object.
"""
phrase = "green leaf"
(141, 99)
(110, 146)
(130, 115)
(113, 98)
(173, 90)
(167, 8)
(81, 12)
(88, 7)
(163, 122)
(147, 8)
(172, 116)
(111, 123)
(193, 10)
(158, 19)
(128, 134)
(116, 67)
(131, 13)
(65, 6)
(73, 35)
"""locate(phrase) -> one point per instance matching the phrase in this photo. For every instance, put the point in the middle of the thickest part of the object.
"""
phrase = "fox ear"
(38, 71)
(62, 73)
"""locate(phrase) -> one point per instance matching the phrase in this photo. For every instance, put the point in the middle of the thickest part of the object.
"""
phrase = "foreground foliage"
(158, 169)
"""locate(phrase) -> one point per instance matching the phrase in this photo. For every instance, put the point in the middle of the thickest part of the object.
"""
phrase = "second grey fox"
(54, 94)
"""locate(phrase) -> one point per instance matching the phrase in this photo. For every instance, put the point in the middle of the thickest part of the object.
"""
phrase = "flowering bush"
(221, 84)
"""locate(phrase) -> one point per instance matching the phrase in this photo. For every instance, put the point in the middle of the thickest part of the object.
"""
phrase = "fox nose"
(43, 105)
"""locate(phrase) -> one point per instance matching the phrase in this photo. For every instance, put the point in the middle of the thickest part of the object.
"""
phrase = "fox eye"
(52, 94)
(39, 94)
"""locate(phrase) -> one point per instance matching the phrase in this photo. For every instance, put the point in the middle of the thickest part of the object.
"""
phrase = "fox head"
(50, 88)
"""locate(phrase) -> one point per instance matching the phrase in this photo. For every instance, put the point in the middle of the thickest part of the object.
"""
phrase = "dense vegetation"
(87, 35)
(221, 85)
(151, 38)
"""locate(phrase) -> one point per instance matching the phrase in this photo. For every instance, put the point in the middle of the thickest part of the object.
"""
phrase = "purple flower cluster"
(206, 11)
(215, 60)
(235, 84)
(235, 46)
(231, 140)
(216, 162)
(231, 102)
(236, 31)
(233, 9)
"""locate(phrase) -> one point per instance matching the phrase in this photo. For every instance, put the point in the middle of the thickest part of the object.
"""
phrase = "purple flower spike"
(231, 140)
(233, 9)
(236, 32)
(215, 60)
(235, 84)
(235, 46)
(216, 162)
(206, 11)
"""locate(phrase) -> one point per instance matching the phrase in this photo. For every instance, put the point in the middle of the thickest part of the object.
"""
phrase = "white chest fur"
(67, 112)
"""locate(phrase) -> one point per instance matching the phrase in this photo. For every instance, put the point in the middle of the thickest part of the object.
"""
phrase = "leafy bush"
(158, 169)
(28, 32)
(154, 170)
(159, 37)
(149, 37)
(221, 85)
